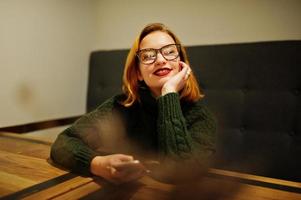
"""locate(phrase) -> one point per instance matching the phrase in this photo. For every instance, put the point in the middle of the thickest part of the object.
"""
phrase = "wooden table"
(25, 173)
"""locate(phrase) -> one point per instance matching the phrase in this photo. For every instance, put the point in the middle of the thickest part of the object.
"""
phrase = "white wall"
(200, 21)
(45, 44)
(44, 53)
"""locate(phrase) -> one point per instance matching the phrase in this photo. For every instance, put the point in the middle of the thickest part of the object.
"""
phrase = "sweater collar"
(146, 98)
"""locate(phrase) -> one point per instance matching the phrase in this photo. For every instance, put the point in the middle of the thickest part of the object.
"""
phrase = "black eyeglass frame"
(178, 46)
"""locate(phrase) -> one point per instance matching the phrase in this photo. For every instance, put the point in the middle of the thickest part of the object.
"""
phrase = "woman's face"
(159, 72)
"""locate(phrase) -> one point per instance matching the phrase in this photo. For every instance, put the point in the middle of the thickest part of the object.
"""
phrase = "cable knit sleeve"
(186, 138)
(76, 146)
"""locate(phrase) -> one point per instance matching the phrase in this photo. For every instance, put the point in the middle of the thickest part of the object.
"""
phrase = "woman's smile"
(162, 72)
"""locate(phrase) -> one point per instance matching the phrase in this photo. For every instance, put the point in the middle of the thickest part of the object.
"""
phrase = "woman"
(160, 116)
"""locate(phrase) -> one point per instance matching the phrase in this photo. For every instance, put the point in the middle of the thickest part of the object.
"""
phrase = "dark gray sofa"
(254, 89)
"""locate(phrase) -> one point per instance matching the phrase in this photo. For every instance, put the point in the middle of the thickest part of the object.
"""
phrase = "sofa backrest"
(254, 90)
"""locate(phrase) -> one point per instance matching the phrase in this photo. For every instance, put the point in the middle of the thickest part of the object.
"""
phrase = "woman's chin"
(163, 80)
(158, 83)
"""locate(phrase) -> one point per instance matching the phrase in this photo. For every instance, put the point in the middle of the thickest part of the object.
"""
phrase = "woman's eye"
(146, 56)
(169, 51)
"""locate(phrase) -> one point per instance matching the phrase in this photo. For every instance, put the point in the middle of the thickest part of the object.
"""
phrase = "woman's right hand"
(177, 82)
(117, 168)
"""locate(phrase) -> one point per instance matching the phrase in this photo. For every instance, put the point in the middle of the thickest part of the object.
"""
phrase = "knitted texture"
(164, 128)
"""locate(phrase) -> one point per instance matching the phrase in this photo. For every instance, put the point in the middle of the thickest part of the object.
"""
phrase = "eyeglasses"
(149, 56)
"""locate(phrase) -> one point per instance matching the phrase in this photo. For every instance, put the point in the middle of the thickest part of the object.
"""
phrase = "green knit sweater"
(160, 129)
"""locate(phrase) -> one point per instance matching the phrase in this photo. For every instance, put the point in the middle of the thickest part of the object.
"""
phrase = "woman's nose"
(160, 59)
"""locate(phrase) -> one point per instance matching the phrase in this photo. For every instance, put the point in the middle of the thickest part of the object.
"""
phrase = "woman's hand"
(177, 82)
(117, 168)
